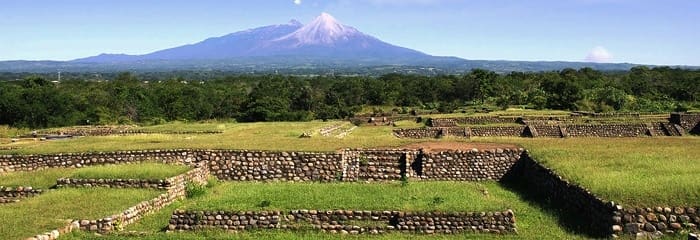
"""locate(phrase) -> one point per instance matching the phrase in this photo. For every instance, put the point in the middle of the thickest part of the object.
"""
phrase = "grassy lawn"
(264, 135)
(507, 112)
(131, 171)
(532, 221)
(47, 178)
(183, 126)
(42, 179)
(632, 171)
(54, 208)
(416, 196)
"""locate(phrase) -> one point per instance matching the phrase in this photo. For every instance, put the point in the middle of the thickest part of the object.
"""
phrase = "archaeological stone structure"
(511, 166)
(677, 124)
(15, 194)
(347, 221)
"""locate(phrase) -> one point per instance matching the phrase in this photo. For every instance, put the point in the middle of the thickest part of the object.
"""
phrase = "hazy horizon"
(643, 32)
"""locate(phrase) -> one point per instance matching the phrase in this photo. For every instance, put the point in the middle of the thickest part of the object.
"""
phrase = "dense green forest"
(34, 101)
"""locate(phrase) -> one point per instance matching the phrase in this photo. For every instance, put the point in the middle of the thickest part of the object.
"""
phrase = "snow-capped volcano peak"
(324, 29)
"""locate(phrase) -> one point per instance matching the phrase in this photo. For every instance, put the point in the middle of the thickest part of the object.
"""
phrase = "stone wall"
(433, 132)
(487, 120)
(547, 130)
(468, 165)
(504, 131)
(607, 130)
(377, 165)
(659, 220)
(347, 221)
(578, 206)
(417, 132)
(543, 130)
(688, 121)
(175, 191)
(10, 163)
(114, 130)
(242, 165)
(118, 221)
(442, 122)
(113, 183)
(15, 194)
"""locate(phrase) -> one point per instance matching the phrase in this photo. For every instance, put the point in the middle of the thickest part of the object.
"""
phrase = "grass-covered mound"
(532, 221)
(659, 171)
(54, 208)
(46, 178)
(130, 171)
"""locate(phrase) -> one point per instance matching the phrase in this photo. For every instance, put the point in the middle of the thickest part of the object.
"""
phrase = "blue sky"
(636, 31)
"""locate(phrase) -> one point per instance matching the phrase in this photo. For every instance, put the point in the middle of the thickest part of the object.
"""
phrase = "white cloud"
(297, 2)
(599, 54)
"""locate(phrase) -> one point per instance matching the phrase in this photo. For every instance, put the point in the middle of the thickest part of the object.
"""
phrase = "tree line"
(36, 102)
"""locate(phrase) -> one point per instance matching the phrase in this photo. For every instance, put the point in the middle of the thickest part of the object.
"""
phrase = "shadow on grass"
(569, 219)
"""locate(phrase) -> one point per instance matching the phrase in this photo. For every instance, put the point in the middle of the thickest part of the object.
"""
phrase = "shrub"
(193, 190)
(212, 182)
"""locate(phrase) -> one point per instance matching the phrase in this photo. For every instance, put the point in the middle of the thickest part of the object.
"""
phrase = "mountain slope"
(324, 37)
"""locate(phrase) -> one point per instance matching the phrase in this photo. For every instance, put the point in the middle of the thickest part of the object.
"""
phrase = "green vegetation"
(416, 196)
(36, 102)
(130, 171)
(533, 222)
(41, 179)
(54, 208)
(9, 132)
(632, 171)
(46, 178)
(262, 135)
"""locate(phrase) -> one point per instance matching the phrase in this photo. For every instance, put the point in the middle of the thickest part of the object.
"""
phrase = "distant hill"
(323, 45)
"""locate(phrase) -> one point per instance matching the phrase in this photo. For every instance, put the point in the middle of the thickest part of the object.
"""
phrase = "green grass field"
(54, 209)
(634, 171)
(631, 171)
(131, 171)
(47, 178)
(264, 135)
(532, 221)
(416, 196)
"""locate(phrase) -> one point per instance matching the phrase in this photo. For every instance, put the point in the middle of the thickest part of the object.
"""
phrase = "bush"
(212, 182)
(193, 190)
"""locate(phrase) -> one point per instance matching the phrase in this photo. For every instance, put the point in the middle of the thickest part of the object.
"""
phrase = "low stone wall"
(348, 221)
(688, 121)
(512, 131)
(242, 165)
(607, 130)
(547, 130)
(441, 122)
(417, 132)
(593, 215)
(542, 130)
(460, 132)
(10, 163)
(659, 220)
(10, 194)
(175, 191)
(107, 131)
(470, 165)
(86, 130)
(113, 183)
(131, 215)
(487, 120)
(376, 165)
